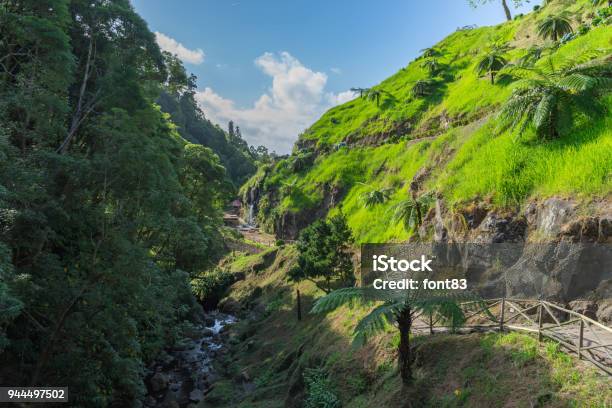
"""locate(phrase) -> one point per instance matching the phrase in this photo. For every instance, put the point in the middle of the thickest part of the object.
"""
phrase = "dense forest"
(111, 184)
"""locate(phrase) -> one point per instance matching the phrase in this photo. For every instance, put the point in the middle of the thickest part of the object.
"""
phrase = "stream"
(181, 376)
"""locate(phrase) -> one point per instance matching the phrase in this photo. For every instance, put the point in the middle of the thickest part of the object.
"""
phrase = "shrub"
(319, 390)
(583, 29)
(210, 287)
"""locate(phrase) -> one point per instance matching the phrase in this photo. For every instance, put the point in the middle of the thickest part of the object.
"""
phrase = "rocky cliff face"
(559, 253)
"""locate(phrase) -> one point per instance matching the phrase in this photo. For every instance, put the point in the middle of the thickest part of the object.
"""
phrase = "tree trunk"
(79, 113)
(404, 322)
(507, 10)
(492, 78)
(299, 306)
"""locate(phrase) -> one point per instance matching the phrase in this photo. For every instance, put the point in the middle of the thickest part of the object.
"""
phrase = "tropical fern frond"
(376, 321)
(349, 296)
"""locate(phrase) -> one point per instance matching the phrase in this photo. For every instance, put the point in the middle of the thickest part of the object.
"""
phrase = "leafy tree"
(233, 151)
(105, 210)
(555, 27)
(504, 3)
(410, 212)
(398, 308)
(491, 63)
(548, 95)
(324, 253)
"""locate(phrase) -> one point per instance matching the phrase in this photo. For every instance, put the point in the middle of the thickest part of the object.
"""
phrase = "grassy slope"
(470, 162)
(462, 370)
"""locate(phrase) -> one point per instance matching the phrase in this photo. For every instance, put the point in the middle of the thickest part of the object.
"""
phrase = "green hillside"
(452, 135)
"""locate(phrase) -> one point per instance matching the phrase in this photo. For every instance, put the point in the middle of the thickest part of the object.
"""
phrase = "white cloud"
(295, 100)
(342, 97)
(171, 45)
(336, 70)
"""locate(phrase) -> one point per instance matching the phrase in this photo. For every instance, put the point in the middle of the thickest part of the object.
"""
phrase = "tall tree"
(324, 253)
(504, 3)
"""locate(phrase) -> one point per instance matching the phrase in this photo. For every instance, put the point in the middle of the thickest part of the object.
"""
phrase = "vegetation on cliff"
(275, 360)
(438, 119)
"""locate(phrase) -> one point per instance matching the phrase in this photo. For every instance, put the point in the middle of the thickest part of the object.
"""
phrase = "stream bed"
(181, 376)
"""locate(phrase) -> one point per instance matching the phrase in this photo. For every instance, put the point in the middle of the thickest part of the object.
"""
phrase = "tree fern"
(548, 95)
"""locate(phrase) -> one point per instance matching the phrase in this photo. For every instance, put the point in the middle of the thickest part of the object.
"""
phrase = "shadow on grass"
(271, 350)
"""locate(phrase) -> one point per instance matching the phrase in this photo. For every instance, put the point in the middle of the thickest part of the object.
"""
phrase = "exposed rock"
(605, 229)
(440, 231)
(229, 305)
(475, 214)
(553, 214)
(159, 382)
(196, 395)
(418, 179)
(495, 229)
(585, 307)
(604, 312)
(392, 132)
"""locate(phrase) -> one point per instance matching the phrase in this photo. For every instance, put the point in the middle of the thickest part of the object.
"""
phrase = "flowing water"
(250, 217)
(183, 374)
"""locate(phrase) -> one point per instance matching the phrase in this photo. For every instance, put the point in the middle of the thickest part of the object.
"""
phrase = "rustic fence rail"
(588, 339)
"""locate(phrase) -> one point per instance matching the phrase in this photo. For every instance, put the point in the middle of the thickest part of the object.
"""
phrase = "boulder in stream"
(159, 382)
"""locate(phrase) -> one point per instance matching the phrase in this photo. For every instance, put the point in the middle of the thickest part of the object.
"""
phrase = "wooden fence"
(589, 339)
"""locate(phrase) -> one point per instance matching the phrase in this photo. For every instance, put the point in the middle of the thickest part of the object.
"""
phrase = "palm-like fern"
(360, 91)
(373, 95)
(400, 308)
(532, 56)
(410, 212)
(555, 27)
(431, 65)
(422, 87)
(430, 52)
(491, 63)
(548, 96)
(374, 197)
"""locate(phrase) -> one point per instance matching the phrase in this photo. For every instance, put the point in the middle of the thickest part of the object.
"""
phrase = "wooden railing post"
(540, 321)
(501, 317)
(580, 339)
(299, 305)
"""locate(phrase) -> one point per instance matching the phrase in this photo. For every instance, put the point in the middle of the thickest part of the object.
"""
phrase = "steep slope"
(194, 127)
(448, 143)
(274, 360)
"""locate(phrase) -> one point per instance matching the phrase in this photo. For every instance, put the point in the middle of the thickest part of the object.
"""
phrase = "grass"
(471, 160)
(473, 370)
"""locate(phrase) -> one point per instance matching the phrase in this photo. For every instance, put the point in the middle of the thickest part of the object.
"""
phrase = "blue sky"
(274, 66)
